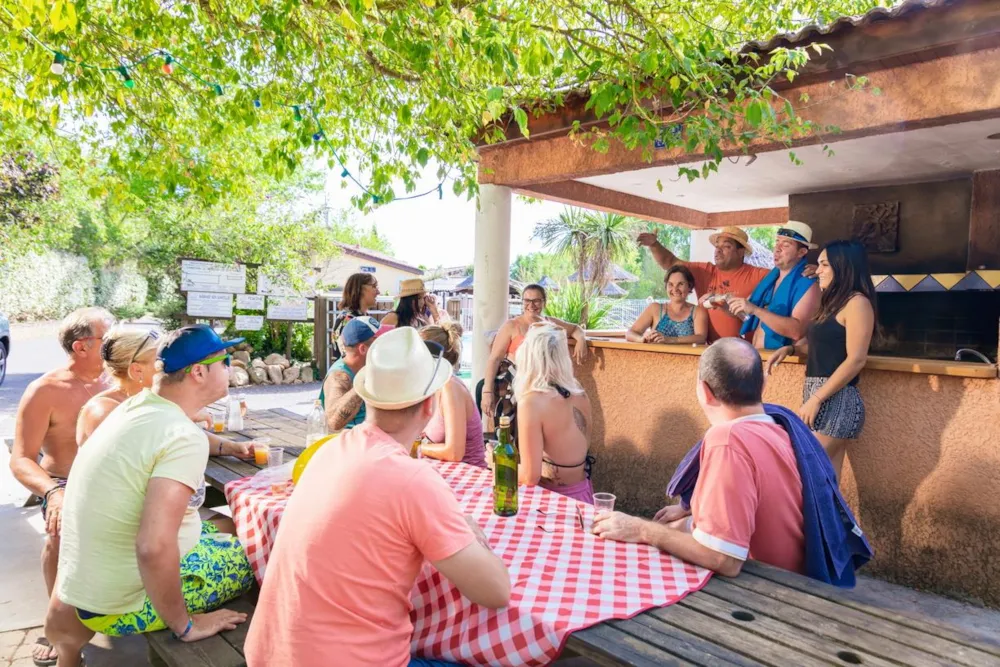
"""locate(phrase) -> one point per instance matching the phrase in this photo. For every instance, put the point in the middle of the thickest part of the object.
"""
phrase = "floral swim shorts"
(214, 572)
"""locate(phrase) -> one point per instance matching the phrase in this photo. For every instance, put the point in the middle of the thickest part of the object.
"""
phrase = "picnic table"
(765, 616)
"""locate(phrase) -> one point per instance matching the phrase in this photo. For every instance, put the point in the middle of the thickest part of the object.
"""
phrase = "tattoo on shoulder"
(581, 421)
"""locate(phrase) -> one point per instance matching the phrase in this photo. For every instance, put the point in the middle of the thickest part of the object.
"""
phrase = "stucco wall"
(336, 271)
(933, 223)
(924, 479)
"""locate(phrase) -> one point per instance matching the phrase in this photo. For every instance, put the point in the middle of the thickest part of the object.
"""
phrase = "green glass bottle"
(505, 457)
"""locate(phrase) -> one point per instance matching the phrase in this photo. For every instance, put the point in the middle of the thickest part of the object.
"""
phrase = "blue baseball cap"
(359, 330)
(192, 344)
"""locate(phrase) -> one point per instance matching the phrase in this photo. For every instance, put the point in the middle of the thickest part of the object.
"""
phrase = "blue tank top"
(673, 329)
(341, 365)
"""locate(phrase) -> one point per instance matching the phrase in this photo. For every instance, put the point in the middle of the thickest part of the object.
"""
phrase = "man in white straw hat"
(729, 276)
(785, 301)
(362, 521)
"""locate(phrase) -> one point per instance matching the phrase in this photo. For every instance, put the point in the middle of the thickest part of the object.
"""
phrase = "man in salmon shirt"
(729, 275)
(362, 521)
(748, 499)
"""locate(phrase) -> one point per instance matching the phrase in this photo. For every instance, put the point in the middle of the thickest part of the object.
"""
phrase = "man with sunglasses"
(45, 431)
(135, 555)
(362, 521)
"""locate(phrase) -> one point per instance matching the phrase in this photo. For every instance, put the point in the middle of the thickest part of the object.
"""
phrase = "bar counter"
(923, 478)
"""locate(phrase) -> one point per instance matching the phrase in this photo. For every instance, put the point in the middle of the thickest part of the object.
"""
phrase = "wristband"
(186, 630)
(57, 487)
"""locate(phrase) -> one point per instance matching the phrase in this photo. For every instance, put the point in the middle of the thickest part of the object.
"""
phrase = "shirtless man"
(46, 424)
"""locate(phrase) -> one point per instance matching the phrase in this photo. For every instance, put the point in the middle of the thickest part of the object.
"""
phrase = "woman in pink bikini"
(553, 416)
(499, 368)
(455, 431)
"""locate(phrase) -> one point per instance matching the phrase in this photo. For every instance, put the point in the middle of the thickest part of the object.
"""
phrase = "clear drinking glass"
(604, 503)
(275, 458)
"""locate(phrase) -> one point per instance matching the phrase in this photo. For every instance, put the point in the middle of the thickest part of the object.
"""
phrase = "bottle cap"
(504, 420)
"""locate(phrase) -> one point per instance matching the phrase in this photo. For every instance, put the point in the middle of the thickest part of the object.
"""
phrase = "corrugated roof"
(813, 31)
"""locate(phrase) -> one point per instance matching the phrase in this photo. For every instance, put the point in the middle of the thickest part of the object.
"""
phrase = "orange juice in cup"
(261, 448)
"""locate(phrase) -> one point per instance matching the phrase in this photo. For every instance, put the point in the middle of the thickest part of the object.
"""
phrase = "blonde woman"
(455, 431)
(553, 416)
(129, 356)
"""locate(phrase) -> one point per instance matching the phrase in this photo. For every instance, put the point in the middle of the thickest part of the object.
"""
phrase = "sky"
(440, 232)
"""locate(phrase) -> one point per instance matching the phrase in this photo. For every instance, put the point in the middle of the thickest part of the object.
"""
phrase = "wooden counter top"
(965, 369)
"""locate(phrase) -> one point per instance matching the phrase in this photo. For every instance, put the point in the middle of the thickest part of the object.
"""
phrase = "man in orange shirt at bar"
(729, 275)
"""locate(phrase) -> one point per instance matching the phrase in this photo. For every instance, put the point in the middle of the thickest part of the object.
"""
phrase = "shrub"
(45, 286)
(122, 290)
(567, 304)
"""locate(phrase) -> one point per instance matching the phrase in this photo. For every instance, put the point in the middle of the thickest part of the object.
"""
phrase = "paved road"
(35, 351)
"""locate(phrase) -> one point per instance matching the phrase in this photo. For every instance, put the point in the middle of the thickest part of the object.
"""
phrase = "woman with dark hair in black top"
(836, 348)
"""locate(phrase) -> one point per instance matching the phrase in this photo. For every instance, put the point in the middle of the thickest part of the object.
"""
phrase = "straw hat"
(411, 286)
(798, 231)
(400, 371)
(734, 233)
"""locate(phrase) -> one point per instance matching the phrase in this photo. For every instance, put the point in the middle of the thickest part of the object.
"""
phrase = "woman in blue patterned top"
(676, 321)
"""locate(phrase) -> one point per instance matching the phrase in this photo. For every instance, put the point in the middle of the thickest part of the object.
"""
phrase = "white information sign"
(286, 308)
(250, 301)
(274, 286)
(199, 276)
(249, 322)
(209, 304)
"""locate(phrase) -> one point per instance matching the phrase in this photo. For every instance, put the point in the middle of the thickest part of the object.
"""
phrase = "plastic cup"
(604, 503)
(261, 447)
(276, 458)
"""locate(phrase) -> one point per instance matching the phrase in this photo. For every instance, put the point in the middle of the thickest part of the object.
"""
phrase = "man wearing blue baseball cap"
(342, 405)
(135, 555)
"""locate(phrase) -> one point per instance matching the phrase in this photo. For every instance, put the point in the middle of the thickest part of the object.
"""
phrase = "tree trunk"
(584, 294)
(288, 342)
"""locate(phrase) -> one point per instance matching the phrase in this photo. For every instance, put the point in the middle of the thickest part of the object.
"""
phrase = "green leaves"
(392, 82)
(521, 118)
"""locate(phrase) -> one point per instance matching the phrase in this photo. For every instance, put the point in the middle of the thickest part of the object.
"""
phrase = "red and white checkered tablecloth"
(564, 579)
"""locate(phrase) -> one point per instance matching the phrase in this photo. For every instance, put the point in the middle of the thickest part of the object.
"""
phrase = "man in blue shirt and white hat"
(783, 304)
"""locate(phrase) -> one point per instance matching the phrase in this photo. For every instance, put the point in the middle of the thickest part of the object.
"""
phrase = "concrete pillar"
(702, 249)
(491, 271)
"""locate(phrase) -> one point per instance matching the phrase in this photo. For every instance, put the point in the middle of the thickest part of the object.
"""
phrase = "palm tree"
(593, 240)
(566, 234)
(611, 238)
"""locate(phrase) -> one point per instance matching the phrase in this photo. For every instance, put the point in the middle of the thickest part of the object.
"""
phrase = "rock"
(238, 377)
(258, 363)
(289, 374)
(258, 375)
(242, 355)
(274, 374)
(296, 381)
(275, 359)
(306, 374)
(238, 363)
(243, 347)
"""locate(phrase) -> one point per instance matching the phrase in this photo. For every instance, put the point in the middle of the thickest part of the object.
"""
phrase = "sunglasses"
(533, 302)
(225, 358)
(437, 351)
(152, 335)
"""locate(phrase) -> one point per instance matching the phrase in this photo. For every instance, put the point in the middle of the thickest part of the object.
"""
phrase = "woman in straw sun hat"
(416, 308)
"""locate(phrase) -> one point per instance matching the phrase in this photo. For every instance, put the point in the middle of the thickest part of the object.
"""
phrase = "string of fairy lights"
(170, 62)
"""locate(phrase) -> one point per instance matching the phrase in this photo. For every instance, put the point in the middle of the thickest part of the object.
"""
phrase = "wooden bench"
(765, 616)
(223, 650)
